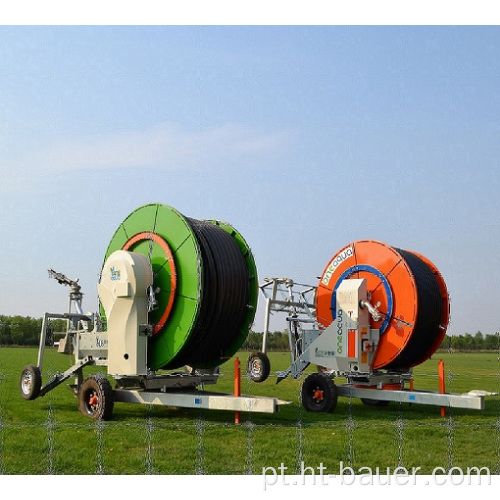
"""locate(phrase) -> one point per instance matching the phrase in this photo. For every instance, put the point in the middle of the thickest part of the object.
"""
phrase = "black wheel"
(258, 366)
(30, 382)
(374, 402)
(319, 393)
(95, 399)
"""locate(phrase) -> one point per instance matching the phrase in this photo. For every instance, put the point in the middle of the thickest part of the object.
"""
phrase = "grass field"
(50, 436)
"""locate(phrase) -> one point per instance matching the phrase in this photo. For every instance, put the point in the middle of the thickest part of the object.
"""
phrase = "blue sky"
(304, 138)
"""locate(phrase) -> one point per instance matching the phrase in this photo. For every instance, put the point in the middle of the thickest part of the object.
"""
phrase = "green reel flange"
(205, 279)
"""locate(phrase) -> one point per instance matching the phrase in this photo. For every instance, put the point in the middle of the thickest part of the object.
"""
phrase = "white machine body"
(348, 343)
(125, 279)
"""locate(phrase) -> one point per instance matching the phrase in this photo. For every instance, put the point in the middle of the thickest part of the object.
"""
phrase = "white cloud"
(163, 146)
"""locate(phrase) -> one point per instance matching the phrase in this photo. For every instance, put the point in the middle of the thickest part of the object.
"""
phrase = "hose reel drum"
(204, 291)
(406, 288)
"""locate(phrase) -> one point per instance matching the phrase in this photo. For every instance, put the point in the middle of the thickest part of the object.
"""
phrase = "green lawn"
(49, 435)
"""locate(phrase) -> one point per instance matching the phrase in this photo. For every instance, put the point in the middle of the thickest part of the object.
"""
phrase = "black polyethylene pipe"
(224, 297)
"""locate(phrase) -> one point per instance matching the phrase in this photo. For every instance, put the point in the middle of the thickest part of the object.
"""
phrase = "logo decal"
(115, 274)
(340, 332)
(322, 353)
(101, 342)
(346, 254)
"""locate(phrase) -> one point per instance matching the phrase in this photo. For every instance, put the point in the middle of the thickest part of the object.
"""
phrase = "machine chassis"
(307, 337)
(96, 396)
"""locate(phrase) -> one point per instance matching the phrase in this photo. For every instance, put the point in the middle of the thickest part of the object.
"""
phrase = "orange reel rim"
(156, 238)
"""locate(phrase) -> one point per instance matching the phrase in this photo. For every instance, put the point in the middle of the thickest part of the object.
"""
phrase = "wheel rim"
(26, 382)
(92, 402)
(255, 368)
(318, 396)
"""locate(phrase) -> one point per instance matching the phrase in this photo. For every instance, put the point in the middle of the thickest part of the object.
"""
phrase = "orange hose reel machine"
(409, 291)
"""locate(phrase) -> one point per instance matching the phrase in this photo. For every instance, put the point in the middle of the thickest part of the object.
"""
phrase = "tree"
(492, 342)
(478, 341)
(16, 333)
(253, 341)
(468, 342)
(5, 337)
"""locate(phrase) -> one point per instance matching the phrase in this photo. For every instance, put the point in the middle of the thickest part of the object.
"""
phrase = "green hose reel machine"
(204, 282)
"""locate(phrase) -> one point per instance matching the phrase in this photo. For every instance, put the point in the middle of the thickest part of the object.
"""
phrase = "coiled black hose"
(427, 324)
(224, 299)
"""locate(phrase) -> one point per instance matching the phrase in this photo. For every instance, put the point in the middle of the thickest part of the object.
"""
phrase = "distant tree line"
(468, 342)
(278, 341)
(25, 331)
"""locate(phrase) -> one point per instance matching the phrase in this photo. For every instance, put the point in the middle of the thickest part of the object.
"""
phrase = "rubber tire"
(99, 386)
(321, 382)
(35, 384)
(264, 367)
(375, 403)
